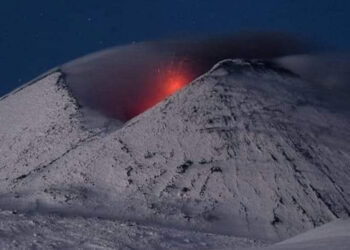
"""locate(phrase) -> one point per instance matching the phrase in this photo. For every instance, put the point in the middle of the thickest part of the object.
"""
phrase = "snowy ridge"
(30, 82)
(248, 153)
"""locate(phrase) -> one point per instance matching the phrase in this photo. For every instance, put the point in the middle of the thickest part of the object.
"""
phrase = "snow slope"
(248, 150)
(22, 231)
(334, 235)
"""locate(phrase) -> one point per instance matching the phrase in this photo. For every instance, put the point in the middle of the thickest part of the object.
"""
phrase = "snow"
(334, 235)
(21, 231)
(247, 150)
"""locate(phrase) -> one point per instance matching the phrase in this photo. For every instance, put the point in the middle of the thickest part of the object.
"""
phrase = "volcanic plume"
(123, 82)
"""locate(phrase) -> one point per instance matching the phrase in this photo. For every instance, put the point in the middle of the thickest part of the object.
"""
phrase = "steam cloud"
(124, 81)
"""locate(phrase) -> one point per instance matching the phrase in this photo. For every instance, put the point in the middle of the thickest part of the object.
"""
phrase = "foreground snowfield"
(20, 231)
(23, 231)
(248, 150)
(334, 235)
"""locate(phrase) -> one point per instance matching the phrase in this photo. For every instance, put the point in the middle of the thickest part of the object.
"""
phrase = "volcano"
(246, 155)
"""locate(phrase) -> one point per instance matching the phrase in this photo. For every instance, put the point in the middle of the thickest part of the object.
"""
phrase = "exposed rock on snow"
(248, 149)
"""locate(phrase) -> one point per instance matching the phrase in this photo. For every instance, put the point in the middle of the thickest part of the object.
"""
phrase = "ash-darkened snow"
(248, 150)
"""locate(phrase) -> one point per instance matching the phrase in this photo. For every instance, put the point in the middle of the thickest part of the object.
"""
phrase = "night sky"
(40, 34)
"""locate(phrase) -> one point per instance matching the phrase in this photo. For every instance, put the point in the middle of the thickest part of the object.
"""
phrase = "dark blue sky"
(37, 35)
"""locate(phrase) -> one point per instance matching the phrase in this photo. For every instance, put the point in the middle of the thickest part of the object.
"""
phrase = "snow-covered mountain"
(249, 149)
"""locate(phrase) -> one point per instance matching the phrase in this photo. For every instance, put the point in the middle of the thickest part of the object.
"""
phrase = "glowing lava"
(165, 82)
(173, 82)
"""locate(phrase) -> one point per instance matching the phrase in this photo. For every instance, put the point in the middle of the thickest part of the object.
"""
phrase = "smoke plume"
(124, 81)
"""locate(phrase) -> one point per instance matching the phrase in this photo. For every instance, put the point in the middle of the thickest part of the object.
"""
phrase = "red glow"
(173, 82)
(165, 81)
